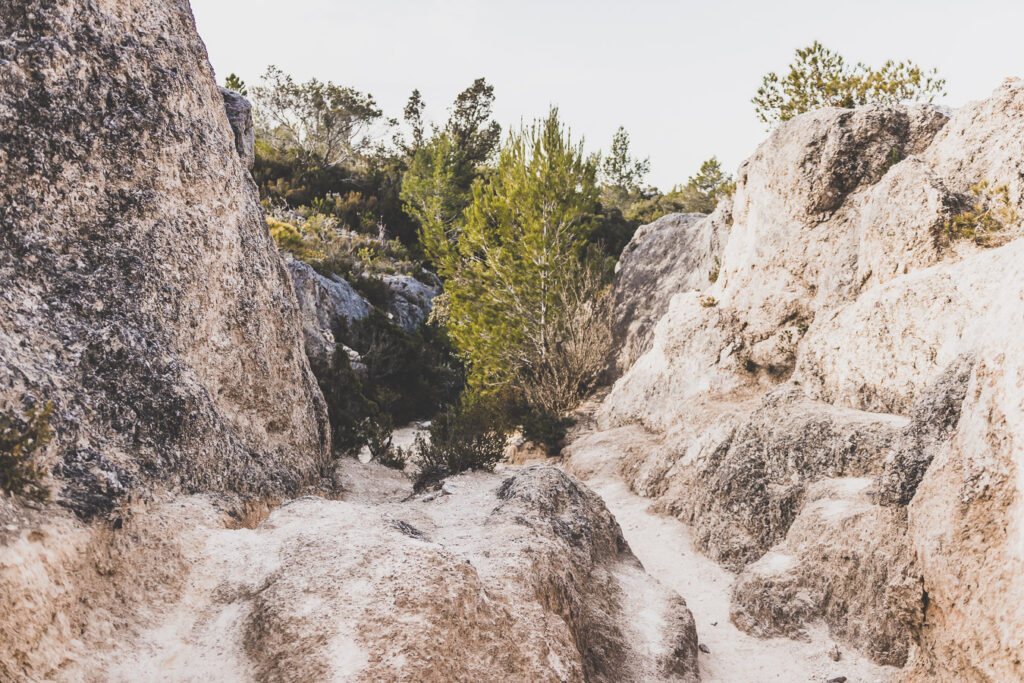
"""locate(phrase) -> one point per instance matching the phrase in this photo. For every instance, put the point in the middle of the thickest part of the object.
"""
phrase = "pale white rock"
(880, 352)
(325, 304)
(517, 576)
(837, 275)
(411, 300)
(966, 521)
(676, 253)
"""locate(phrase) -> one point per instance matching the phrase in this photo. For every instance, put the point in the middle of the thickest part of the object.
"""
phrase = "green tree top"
(819, 77)
(702, 191)
(233, 82)
(436, 188)
(620, 169)
(524, 237)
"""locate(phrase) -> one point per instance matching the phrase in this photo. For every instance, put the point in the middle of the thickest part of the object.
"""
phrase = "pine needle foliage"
(819, 77)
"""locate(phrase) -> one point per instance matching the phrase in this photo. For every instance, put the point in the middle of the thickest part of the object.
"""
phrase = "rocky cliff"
(839, 415)
(142, 293)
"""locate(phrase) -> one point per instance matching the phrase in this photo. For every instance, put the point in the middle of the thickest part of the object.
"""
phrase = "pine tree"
(519, 256)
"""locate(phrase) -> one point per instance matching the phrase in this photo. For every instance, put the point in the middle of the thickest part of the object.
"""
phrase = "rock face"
(239, 113)
(325, 304)
(519, 577)
(142, 293)
(839, 415)
(676, 253)
(410, 301)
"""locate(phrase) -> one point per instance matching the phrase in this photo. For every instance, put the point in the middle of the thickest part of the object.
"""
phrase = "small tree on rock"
(819, 77)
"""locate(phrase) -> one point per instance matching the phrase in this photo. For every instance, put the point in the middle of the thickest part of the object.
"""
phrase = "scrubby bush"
(379, 431)
(347, 405)
(402, 377)
(20, 439)
(469, 436)
(990, 212)
(409, 375)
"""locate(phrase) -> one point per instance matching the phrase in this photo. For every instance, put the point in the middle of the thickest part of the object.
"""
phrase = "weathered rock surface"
(410, 300)
(966, 523)
(516, 576)
(844, 561)
(753, 483)
(325, 305)
(141, 291)
(839, 415)
(239, 113)
(676, 253)
(142, 294)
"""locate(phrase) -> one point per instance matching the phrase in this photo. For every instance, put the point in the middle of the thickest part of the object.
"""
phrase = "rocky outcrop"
(752, 485)
(838, 415)
(676, 253)
(239, 113)
(326, 305)
(523, 576)
(142, 293)
(845, 562)
(409, 300)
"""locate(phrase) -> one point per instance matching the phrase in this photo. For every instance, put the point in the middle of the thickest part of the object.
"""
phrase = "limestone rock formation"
(505, 577)
(141, 291)
(239, 113)
(676, 253)
(324, 305)
(410, 300)
(839, 415)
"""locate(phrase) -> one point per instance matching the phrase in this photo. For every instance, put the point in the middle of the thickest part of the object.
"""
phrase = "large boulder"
(326, 304)
(877, 489)
(517, 577)
(142, 293)
(676, 253)
(410, 300)
(791, 252)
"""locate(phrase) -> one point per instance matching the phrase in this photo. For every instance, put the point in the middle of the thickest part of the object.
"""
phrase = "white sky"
(679, 75)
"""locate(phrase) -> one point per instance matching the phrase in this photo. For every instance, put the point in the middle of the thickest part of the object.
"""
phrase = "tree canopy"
(326, 124)
(819, 77)
(522, 244)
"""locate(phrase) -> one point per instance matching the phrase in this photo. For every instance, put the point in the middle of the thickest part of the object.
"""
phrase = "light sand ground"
(664, 546)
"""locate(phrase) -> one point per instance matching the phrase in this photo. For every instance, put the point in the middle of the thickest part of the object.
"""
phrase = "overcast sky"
(679, 75)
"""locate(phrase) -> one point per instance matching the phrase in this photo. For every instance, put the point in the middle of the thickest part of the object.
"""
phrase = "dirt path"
(664, 546)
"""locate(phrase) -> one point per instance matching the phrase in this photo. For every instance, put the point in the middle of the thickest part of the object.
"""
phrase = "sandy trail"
(664, 546)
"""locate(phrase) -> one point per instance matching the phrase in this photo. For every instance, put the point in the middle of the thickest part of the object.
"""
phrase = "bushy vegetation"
(522, 234)
(20, 440)
(819, 77)
(469, 436)
(989, 213)
(525, 287)
(400, 377)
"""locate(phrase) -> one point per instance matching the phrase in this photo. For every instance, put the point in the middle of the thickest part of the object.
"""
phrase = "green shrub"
(990, 212)
(409, 375)
(405, 377)
(20, 439)
(347, 405)
(545, 427)
(469, 436)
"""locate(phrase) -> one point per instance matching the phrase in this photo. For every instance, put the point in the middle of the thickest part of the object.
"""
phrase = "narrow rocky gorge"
(813, 442)
(198, 527)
